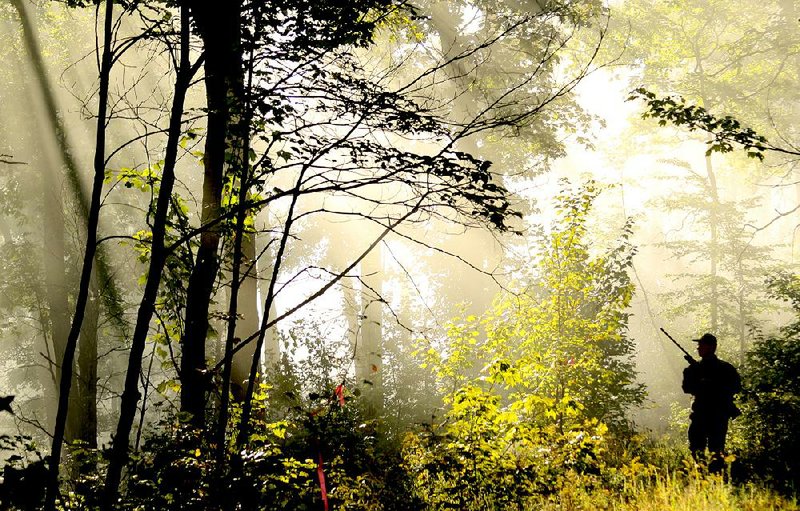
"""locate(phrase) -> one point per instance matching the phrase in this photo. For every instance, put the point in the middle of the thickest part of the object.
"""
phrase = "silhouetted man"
(713, 383)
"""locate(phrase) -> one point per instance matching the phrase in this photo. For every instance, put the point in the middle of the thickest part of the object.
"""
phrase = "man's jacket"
(713, 383)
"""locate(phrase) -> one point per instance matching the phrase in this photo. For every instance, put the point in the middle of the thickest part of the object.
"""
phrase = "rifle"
(688, 357)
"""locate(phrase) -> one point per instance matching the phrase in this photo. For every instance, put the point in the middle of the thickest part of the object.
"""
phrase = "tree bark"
(239, 144)
(219, 29)
(713, 253)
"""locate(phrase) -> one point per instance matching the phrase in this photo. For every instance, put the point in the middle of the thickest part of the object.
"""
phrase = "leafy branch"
(727, 132)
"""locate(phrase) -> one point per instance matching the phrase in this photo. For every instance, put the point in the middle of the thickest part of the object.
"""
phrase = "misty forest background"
(388, 255)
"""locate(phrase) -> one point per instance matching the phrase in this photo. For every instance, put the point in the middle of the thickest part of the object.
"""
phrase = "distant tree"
(719, 59)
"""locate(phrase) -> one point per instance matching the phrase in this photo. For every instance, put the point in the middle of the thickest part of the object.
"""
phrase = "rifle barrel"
(676, 343)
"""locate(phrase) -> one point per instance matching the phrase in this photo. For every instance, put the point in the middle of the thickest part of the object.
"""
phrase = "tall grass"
(668, 491)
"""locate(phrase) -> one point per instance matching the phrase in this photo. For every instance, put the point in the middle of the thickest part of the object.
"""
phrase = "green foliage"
(534, 378)
(564, 336)
(488, 455)
(177, 469)
(570, 324)
(480, 468)
(361, 457)
(771, 398)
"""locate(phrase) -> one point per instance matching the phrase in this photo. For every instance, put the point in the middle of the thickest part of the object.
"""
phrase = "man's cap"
(706, 339)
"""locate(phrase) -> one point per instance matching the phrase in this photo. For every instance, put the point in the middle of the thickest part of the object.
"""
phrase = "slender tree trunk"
(219, 27)
(88, 259)
(713, 254)
(130, 395)
(243, 317)
(233, 308)
(713, 212)
(742, 314)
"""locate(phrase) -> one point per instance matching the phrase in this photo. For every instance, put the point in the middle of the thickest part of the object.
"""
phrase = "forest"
(399, 255)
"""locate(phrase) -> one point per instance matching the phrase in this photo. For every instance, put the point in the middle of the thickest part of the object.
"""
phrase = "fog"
(708, 228)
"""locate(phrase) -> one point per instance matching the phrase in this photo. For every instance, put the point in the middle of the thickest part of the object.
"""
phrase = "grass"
(673, 491)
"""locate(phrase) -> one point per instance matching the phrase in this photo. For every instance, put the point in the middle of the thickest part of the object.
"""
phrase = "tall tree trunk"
(249, 321)
(742, 323)
(88, 260)
(158, 254)
(55, 272)
(370, 341)
(241, 275)
(243, 317)
(219, 27)
(713, 213)
(713, 253)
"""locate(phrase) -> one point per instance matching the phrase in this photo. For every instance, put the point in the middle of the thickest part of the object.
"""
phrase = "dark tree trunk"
(88, 260)
(241, 276)
(219, 27)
